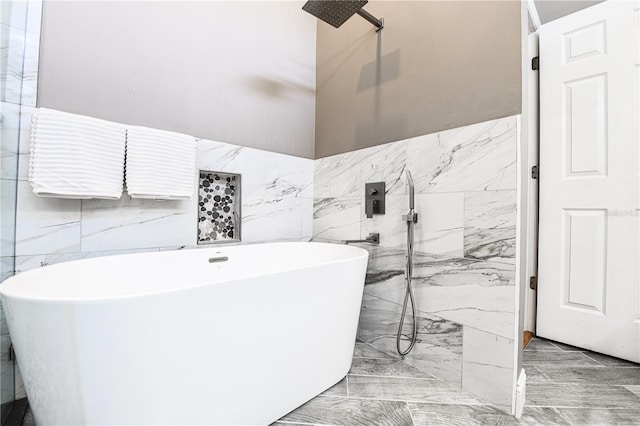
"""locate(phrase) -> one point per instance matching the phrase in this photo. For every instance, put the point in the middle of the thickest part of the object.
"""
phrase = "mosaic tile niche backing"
(218, 207)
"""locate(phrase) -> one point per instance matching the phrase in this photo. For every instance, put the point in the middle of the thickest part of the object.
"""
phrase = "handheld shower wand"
(411, 218)
(412, 201)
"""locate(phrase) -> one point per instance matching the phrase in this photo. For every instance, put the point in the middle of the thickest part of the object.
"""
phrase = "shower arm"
(378, 23)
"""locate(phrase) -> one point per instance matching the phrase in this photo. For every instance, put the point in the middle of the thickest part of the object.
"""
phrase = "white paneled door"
(589, 252)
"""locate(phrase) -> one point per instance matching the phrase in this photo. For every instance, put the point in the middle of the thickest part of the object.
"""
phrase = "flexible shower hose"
(408, 296)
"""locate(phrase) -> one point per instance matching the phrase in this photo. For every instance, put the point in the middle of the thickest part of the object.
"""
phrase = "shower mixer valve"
(374, 198)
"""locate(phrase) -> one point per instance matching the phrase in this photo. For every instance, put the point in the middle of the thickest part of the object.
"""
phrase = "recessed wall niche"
(218, 207)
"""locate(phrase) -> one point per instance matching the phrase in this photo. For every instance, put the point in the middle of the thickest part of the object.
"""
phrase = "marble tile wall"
(19, 49)
(274, 208)
(464, 247)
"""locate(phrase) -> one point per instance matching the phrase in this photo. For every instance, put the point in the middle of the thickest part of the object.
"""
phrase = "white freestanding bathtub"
(186, 337)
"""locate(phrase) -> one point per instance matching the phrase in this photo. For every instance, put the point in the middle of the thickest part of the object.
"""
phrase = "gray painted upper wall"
(436, 65)
(235, 72)
(550, 10)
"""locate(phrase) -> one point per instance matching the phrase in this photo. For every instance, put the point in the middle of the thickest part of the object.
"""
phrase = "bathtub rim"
(11, 294)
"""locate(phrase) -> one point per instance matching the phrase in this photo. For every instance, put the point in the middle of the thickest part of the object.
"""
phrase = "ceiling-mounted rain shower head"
(336, 12)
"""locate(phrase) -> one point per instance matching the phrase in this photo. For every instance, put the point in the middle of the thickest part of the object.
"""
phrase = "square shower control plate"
(374, 198)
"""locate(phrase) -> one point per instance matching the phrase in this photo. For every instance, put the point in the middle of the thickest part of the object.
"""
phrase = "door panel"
(589, 252)
(586, 126)
(585, 239)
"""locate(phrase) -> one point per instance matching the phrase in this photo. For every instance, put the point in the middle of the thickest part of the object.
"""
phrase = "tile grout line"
(413, 422)
(561, 415)
(435, 379)
(462, 359)
(362, 398)
(582, 407)
(375, 357)
(553, 364)
(556, 346)
(347, 384)
(437, 314)
(584, 383)
(595, 360)
(590, 367)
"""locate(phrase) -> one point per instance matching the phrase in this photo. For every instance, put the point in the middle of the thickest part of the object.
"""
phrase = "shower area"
(450, 271)
(463, 270)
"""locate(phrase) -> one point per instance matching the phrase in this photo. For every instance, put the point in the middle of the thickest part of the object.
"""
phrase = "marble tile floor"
(566, 386)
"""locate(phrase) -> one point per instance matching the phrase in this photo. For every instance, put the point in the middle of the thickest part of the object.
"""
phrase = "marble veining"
(46, 225)
(478, 157)
(582, 374)
(634, 389)
(136, 223)
(336, 218)
(609, 360)
(487, 362)
(10, 131)
(351, 412)
(582, 390)
(273, 219)
(19, 52)
(288, 176)
(221, 157)
(385, 367)
(540, 358)
(447, 414)
(438, 350)
(7, 269)
(464, 244)
(490, 224)
(25, 263)
(379, 376)
(580, 396)
(8, 190)
(14, 14)
(263, 173)
(415, 390)
(277, 205)
(596, 416)
(472, 292)
(341, 175)
(12, 49)
(29, 82)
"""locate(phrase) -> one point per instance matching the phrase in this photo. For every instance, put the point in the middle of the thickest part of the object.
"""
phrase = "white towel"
(73, 156)
(160, 164)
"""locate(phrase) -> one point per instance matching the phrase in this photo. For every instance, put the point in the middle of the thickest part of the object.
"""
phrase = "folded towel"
(73, 156)
(160, 164)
